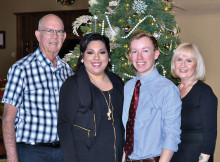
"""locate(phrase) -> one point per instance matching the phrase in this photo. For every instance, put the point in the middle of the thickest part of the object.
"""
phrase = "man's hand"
(8, 124)
(166, 155)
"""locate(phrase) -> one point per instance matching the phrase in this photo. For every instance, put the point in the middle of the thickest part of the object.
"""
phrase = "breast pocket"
(35, 91)
(81, 130)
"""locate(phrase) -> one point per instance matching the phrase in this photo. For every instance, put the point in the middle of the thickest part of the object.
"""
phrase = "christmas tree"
(119, 19)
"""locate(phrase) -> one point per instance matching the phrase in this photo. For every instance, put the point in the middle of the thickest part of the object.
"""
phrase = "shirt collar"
(44, 61)
(150, 76)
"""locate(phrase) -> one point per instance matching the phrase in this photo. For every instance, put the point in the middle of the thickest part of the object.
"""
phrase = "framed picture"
(2, 39)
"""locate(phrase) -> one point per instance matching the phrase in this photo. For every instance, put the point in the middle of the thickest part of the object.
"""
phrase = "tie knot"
(138, 84)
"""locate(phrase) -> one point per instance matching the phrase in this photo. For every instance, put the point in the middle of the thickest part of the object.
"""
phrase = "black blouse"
(80, 119)
(199, 116)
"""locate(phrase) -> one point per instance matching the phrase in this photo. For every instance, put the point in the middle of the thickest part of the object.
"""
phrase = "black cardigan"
(199, 115)
(77, 106)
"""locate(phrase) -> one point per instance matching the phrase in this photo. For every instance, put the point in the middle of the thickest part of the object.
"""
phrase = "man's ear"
(37, 35)
(156, 54)
(64, 37)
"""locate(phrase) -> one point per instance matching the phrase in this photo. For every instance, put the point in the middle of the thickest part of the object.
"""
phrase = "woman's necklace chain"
(108, 105)
(184, 89)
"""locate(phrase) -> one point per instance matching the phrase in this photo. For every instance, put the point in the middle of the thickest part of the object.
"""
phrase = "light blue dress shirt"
(157, 121)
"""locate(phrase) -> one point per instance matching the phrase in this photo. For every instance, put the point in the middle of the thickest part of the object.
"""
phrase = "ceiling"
(197, 6)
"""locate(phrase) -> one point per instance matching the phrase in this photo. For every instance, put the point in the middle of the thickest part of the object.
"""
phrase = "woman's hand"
(123, 157)
(204, 157)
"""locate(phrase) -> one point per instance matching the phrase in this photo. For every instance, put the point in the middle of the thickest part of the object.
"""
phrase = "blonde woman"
(199, 106)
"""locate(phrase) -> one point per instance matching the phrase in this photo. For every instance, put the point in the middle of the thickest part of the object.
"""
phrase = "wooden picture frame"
(2, 39)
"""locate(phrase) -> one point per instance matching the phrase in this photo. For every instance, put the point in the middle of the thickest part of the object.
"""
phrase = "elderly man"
(31, 97)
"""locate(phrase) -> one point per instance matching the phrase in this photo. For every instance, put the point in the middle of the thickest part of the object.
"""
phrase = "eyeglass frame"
(51, 32)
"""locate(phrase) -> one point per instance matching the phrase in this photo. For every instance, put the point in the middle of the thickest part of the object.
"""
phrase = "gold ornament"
(114, 39)
(66, 2)
(171, 45)
(165, 71)
(120, 21)
(126, 46)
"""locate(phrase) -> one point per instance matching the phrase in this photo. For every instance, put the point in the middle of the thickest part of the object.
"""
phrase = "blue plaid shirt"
(33, 86)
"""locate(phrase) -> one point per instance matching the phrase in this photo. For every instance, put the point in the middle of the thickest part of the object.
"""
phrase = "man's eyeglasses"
(51, 32)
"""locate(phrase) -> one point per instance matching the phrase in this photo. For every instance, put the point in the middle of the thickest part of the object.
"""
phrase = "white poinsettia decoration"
(139, 6)
(93, 2)
(69, 56)
(112, 33)
(176, 31)
(113, 3)
(79, 21)
(157, 35)
(114, 45)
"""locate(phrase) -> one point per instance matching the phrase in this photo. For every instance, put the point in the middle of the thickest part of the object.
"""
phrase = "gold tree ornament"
(66, 2)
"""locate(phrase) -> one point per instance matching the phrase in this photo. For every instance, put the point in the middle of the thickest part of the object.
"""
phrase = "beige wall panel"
(204, 30)
(8, 23)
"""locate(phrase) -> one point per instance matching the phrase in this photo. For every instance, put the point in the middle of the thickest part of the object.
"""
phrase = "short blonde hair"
(195, 53)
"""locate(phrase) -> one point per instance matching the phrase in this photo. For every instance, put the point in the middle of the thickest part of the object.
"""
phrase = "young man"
(152, 116)
(31, 97)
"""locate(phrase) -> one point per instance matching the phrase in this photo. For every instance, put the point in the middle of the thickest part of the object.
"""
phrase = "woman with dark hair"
(90, 107)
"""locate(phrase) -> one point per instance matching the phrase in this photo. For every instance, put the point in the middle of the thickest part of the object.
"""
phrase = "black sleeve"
(208, 104)
(68, 104)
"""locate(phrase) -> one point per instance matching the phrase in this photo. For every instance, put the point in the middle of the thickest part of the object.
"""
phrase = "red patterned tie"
(129, 144)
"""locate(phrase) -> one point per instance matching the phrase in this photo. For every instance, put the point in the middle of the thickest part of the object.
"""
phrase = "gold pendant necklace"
(108, 105)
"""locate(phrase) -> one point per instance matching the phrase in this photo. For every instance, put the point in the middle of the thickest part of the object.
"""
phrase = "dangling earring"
(82, 61)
